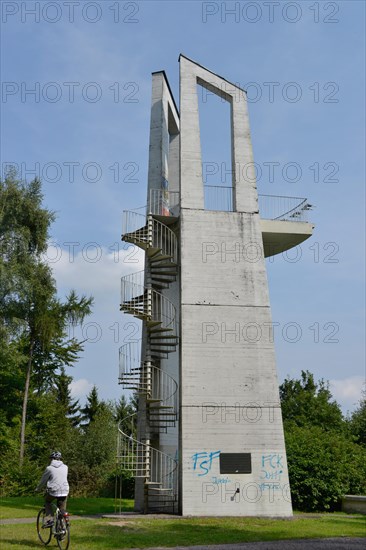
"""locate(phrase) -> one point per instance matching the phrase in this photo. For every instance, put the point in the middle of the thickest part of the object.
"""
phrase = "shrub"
(323, 466)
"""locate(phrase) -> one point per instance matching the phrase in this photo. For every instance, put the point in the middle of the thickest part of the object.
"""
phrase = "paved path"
(312, 544)
(16, 521)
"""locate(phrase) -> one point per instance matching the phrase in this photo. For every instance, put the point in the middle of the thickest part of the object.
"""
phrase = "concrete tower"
(210, 437)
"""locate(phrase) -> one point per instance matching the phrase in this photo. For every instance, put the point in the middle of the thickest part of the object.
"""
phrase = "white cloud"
(80, 388)
(348, 390)
(91, 268)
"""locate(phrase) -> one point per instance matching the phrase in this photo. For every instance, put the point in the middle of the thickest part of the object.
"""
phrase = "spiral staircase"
(157, 470)
(142, 295)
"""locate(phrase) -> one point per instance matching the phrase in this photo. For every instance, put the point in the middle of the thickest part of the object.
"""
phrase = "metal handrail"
(283, 208)
(140, 299)
(219, 197)
(130, 356)
(162, 202)
(132, 221)
(164, 239)
(271, 207)
(147, 378)
(147, 462)
(150, 233)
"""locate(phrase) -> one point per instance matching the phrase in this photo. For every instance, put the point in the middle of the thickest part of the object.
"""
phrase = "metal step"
(156, 328)
(162, 277)
(157, 255)
(152, 252)
(158, 266)
(162, 351)
(158, 336)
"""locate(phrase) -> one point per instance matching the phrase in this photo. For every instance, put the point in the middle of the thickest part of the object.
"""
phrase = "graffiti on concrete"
(271, 472)
(202, 461)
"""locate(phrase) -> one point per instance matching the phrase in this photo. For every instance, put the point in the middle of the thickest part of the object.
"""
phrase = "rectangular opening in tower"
(216, 150)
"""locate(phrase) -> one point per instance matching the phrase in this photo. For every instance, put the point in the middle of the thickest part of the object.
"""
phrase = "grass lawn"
(27, 507)
(144, 532)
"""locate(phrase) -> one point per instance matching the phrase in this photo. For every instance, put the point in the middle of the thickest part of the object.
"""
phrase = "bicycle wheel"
(44, 533)
(62, 533)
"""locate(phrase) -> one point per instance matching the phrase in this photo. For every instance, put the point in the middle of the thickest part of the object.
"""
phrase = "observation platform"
(279, 236)
(283, 221)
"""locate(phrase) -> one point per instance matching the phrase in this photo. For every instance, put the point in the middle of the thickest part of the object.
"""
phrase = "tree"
(93, 405)
(324, 465)
(93, 463)
(45, 333)
(31, 314)
(26, 283)
(69, 407)
(323, 460)
(357, 422)
(125, 414)
(307, 403)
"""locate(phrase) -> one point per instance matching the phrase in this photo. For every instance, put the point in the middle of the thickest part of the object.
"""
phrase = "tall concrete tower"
(209, 428)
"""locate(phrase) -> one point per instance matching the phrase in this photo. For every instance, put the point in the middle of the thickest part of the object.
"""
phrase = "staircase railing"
(281, 208)
(132, 286)
(145, 377)
(132, 455)
(144, 461)
(163, 203)
(157, 205)
(129, 357)
(140, 297)
(132, 220)
(140, 300)
(164, 239)
(271, 207)
(149, 233)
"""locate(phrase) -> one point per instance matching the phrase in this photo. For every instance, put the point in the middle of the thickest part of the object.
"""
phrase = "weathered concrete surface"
(354, 504)
(244, 182)
(229, 386)
(279, 236)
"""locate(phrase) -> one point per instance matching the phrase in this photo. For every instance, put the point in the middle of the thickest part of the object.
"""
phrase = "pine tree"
(93, 405)
(64, 400)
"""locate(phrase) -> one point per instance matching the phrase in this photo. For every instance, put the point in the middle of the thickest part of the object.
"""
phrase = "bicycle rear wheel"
(62, 533)
(44, 533)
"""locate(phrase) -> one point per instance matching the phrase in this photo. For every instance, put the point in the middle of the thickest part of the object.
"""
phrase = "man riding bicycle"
(57, 486)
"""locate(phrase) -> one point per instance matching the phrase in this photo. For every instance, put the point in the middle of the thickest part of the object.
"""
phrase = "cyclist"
(57, 486)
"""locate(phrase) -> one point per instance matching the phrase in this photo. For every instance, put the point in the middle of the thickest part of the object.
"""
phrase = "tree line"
(326, 450)
(37, 413)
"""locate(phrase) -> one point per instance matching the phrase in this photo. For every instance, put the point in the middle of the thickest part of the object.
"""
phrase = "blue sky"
(85, 131)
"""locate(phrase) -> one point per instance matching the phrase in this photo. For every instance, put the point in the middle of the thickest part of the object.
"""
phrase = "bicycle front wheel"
(44, 533)
(62, 533)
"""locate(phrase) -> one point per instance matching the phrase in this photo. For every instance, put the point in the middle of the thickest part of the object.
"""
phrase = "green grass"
(145, 532)
(27, 507)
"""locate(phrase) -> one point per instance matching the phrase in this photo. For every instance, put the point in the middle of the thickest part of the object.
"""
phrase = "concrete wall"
(229, 386)
(354, 504)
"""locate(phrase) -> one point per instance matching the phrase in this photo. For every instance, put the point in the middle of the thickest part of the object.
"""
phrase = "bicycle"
(60, 528)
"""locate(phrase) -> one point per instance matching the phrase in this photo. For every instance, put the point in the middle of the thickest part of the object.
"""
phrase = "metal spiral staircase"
(144, 302)
(159, 388)
(142, 296)
(157, 470)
